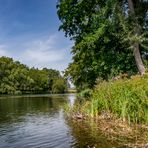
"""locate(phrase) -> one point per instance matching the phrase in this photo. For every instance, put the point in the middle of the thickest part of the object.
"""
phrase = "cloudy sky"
(29, 33)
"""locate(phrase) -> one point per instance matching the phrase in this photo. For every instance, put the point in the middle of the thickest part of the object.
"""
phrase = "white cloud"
(42, 51)
(42, 56)
(51, 52)
(46, 52)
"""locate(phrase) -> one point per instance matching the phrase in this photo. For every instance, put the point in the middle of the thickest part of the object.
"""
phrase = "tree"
(134, 11)
(59, 86)
(104, 36)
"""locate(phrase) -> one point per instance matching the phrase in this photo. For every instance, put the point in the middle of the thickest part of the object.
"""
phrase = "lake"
(38, 121)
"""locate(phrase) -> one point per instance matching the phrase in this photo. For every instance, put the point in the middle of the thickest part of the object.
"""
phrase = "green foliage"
(103, 33)
(16, 78)
(85, 94)
(59, 86)
(126, 98)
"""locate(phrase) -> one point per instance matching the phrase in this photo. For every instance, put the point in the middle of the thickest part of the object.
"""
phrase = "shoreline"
(115, 129)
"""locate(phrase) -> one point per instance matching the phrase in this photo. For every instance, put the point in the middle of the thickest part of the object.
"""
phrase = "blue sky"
(29, 33)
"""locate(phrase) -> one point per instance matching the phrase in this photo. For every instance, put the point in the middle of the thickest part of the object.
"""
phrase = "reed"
(125, 98)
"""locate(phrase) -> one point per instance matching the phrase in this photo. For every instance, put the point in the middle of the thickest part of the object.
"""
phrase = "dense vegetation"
(17, 78)
(125, 98)
(110, 37)
(121, 97)
(111, 41)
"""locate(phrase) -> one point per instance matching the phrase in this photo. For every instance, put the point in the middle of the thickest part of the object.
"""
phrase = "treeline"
(17, 78)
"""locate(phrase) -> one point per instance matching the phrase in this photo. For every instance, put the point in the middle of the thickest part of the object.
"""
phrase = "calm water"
(39, 122)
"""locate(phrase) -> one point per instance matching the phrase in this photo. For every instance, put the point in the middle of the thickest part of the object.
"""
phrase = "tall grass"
(125, 98)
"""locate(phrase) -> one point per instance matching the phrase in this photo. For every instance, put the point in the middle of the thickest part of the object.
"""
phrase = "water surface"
(38, 121)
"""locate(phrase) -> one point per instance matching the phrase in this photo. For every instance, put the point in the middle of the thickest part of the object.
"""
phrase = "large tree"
(105, 35)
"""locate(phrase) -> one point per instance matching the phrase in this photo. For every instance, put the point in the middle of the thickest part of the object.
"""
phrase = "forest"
(17, 78)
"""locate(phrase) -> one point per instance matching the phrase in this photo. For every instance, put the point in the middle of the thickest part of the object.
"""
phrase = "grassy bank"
(127, 99)
(119, 106)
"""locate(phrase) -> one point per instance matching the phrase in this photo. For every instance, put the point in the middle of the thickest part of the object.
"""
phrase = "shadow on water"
(12, 108)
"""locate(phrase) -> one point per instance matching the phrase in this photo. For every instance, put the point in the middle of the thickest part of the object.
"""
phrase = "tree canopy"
(107, 33)
(17, 78)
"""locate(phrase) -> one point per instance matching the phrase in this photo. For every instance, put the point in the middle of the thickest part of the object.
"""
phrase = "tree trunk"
(135, 45)
(138, 59)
